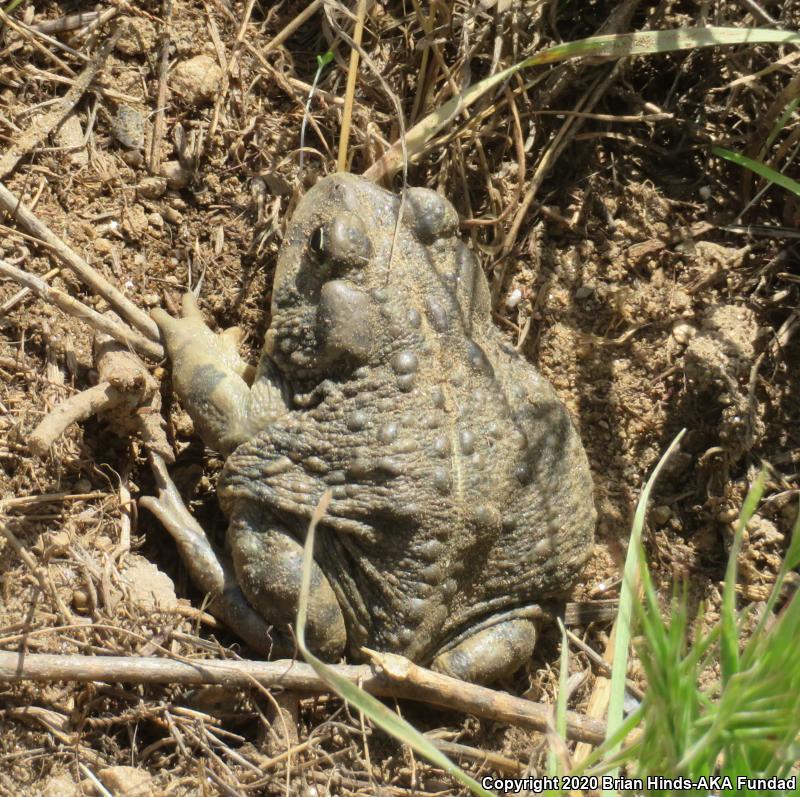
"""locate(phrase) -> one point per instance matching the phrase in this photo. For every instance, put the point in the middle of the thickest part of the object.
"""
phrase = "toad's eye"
(343, 240)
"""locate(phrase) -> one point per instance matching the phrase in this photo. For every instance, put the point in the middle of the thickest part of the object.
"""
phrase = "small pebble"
(683, 332)
(127, 126)
(197, 80)
(173, 216)
(513, 298)
(80, 600)
(137, 35)
(103, 246)
(660, 514)
(177, 177)
(152, 187)
(133, 158)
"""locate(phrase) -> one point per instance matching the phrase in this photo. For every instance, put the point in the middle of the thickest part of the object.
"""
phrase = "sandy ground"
(655, 285)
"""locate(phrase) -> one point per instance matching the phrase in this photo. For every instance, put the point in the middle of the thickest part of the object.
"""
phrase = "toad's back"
(460, 487)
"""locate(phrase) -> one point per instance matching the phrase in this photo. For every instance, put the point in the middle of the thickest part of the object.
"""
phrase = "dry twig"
(91, 278)
(127, 396)
(396, 677)
(159, 125)
(79, 310)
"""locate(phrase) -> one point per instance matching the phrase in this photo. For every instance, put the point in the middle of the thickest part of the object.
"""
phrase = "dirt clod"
(149, 587)
(137, 36)
(197, 80)
(127, 781)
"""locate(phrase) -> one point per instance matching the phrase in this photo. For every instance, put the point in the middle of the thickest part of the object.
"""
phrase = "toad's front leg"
(226, 400)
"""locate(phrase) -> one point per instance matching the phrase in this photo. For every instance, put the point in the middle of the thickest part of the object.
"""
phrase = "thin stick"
(11, 303)
(352, 74)
(29, 70)
(35, 43)
(98, 283)
(42, 126)
(302, 17)
(47, 498)
(159, 125)
(68, 22)
(55, 42)
(71, 306)
(406, 681)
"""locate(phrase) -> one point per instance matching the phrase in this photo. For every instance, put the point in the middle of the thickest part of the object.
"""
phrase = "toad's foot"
(210, 571)
(214, 382)
(491, 653)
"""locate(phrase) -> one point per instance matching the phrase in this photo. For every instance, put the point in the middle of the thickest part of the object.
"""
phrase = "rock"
(133, 157)
(683, 332)
(172, 215)
(514, 298)
(60, 786)
(152, 187)
(137, 36)
(149, 588)
(135, 221)
(103, 246)
(127, 126)
(724, 348)
(127, 781)
(660, 514)
(70, 136)
(80, 600)
(197, 80)
(177, 177)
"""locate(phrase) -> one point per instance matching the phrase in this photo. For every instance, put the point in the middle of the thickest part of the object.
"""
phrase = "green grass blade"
(729, 641)
(647, 42)
(553, 767)
(382, 716)
(790, 562)
(793, 554)
(628, 594)
(617, 45)
(780, 123)
(761, 169)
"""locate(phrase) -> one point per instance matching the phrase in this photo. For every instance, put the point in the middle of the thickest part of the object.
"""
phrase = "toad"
(461, 493)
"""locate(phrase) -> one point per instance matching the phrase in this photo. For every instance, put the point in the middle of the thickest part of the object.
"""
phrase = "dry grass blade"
(352, 74)
(154, 160)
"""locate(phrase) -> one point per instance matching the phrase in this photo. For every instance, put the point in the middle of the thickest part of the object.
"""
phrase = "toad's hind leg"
(209, 570)
(491, 653)
(269, 562)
